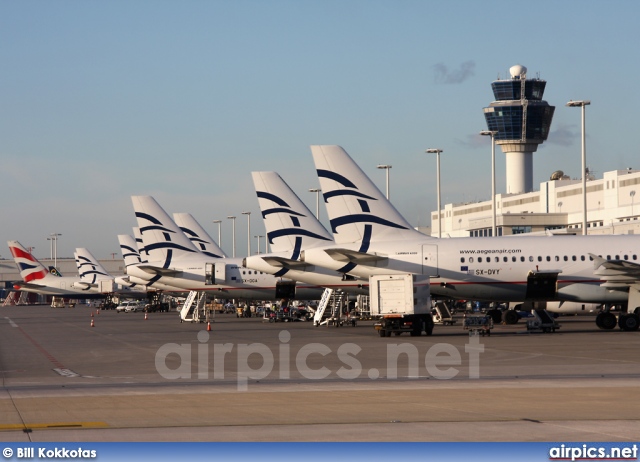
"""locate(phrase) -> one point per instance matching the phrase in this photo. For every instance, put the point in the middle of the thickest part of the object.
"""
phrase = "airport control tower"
(522, 121)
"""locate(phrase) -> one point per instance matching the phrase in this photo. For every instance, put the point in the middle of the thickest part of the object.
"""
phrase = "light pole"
(583, 104)
(258, 237)
(387, 168)
(317, 191)
(54, 241)
(219, 222)
(233, 235)
(492, 134)
(437, 153)
(248, 214)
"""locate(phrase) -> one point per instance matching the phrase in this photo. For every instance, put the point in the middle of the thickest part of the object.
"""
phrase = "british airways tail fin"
(89, 269)
(163, 240)
(30, 268)
(358, 211)
(197, 235)
(289, 223)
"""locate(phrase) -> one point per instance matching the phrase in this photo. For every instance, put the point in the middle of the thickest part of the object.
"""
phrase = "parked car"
(129, 306)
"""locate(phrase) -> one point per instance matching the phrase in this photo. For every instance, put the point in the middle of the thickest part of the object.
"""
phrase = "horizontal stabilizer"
(353, 256)
(280, 262)
(161, 271)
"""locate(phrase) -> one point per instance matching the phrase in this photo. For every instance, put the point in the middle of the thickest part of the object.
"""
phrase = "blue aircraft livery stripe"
(364, 206)
(345, 192)
(188, 231)
(148, 217)
(281, 210)
(272, 197)
(362, 218)
(282, 272)
(296, 248)
(336, 177)
(144, 229)
(294, 232)
(166, 245)
(364, 247)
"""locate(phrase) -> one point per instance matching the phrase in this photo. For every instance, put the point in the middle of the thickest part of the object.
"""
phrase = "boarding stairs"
(193, 309)
(332, 299)
(16, 298)
(322, 306)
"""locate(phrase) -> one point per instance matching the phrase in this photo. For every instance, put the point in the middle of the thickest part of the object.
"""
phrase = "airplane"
(94, 275)
(290, 228)
(197, 235)
(174, 260)
(372, 238)
(36, 278)
(131, 256)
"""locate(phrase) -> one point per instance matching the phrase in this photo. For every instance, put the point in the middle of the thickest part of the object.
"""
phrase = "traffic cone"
(92, 324)
(92, 314)
(98, 311)
(209, 326)
(145, 316)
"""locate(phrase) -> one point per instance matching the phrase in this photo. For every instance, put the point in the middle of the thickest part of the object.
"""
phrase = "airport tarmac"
(246, 380)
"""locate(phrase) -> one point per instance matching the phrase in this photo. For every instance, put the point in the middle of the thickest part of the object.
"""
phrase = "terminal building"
(519, 120)
(556, 207)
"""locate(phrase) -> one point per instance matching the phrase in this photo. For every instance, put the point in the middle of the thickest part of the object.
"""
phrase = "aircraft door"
(430, 260)
(286, 289)
(209, 274)
(542, 285)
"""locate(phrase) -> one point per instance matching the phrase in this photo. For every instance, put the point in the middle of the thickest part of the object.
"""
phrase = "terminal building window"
(520, 229)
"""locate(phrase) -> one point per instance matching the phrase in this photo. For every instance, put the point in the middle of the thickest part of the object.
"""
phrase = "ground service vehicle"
(403, 304)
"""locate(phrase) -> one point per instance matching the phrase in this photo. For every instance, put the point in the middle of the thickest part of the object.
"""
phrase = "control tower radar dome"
(521, 120)
(517, 70)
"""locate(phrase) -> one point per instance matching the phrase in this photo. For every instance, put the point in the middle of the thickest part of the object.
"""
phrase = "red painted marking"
(46, 354)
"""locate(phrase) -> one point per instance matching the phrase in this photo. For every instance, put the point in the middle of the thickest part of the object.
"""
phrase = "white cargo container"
(402, 302)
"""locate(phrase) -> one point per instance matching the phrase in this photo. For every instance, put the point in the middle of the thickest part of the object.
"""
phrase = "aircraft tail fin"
(197, 235)
(30, 268)
(89, 269)
(358, 211)
(289, 224)
(163, 239)
(129, 250)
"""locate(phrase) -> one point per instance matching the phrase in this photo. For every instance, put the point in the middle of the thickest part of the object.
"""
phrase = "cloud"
(444, 75)
(475, 141)
(563, 135)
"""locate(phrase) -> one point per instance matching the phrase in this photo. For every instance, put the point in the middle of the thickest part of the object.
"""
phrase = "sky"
(181, 100)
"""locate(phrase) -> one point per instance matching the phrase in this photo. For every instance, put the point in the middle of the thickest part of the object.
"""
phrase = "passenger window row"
(540, 258)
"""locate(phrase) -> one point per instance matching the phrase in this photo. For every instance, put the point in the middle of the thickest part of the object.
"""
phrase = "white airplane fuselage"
(70, 287)
(494, 269)
(229, 278)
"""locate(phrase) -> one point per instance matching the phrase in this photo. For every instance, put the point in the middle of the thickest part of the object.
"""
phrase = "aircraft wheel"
(607, 321)
(510, 317)
(496, 315)
(599, 320)
(629, 322)
(428, 325)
